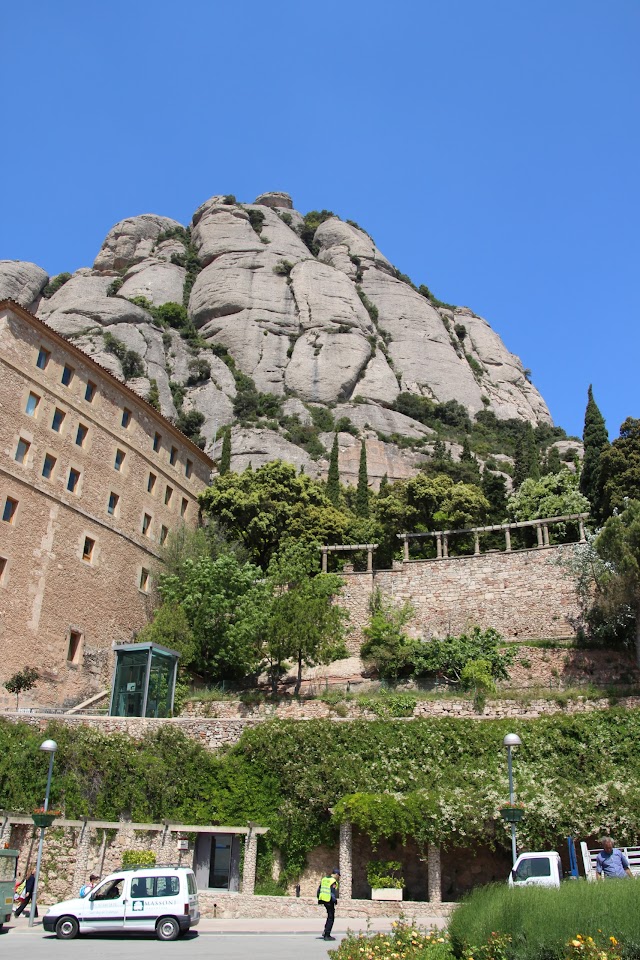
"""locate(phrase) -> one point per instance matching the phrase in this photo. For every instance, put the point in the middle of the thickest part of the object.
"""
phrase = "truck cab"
(542, 869)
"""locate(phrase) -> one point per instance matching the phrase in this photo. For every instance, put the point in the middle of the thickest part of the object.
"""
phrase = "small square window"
(126, 417)
(3, 567)
(151, 483)
(43, 358)
(81, 435)
(167, 495)
(22, 450)
(173, 456)
(157, 440)
(58, 420)
(90, 391)
(146, 523)
(119, 460)
(48, 465)
(164, 533)
(74, 479)
(74, 653)
(112, 506)
(183, 507)
(10, 508)
(87, 550)
(67, 375)
(32, 404)
(144, 580)
(188, 467)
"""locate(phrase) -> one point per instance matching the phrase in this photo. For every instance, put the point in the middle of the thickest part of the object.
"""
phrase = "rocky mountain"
(288, 327)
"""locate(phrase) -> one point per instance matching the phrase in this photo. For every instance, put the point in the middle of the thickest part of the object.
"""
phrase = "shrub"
(130, 360)
(189, 423)
(153, 396)
(371, 309)
(385, 873)
(114, 286)
(199, 371)
(229, 199)
(283, 268)
(138, 858)
(55, 283)
(405, 941)
(312, 221)
(256, 219)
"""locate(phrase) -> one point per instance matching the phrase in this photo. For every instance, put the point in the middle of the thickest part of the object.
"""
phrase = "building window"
(144, 580)
(188, 467)
(3, 567)
(173, 456)
(74, 653)
(74, 479)
(90, 391)
(113, 504)
(43, 358)
(87, 550)
(48, 465)
(10, 508)
(67, 375)
(126, 417)
(151, 483)
(167, 495)
(157, 440)
(164, 533)
(81, 435)
(58, 420)
(119, 460)
(32, 404)
(22, 450)
(183, 507)
(146, 523)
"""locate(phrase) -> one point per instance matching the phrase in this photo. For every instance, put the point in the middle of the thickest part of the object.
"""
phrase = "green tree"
(333, 478)
(620, 468)
(618, 544)
(21, 682)
(263, 508)
(527, 463)
(554, 495)
(494, 488)
(170, 628)
(387, 646)
(226, 604)
(552, 462)
(305, 624)
(596, 441)
(225, 457)
(362, 491)
(448, 657)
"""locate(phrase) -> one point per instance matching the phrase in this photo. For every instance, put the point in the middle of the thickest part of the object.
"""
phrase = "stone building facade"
(92, 479)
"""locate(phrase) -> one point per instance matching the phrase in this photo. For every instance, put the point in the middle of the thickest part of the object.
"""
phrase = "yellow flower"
(613, 941)
(576, 943)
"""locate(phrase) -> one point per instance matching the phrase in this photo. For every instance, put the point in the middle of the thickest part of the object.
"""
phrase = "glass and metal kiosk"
(144, 680)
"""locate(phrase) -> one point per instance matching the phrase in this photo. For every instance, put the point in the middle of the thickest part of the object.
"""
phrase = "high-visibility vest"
(325, 889)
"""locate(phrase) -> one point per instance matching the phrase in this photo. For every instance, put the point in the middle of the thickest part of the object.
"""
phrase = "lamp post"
(511, 741)
(50, 747)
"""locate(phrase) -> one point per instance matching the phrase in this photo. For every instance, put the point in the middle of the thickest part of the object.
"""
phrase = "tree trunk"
(299, 676)
(638, 631)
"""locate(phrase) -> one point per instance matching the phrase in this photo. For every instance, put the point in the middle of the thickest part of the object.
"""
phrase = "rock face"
(322, 322)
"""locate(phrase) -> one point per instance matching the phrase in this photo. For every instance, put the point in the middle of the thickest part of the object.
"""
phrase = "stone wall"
(524, 594)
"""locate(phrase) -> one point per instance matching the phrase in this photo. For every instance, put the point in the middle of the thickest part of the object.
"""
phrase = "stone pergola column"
(250, 859)
(81, 872)
(545, 534)
(583, 539)
(445, 546)
(476, 543)
(434, 873)
(5, 830)
(507, 539)
(406, 548)
(369, 559)
(438, 546)
(539, 534)
(324, 560)
(346, 860)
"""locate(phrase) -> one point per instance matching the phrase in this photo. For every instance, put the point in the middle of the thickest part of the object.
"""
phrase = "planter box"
(512, 814)
(386, 893)
(43, 819)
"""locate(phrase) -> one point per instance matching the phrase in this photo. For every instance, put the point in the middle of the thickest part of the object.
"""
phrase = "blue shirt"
(613, 864)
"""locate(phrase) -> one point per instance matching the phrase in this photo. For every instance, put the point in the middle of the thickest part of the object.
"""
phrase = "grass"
(541, 922)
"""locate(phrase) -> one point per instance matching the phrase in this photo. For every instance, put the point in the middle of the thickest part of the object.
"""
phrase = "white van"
(160, 900)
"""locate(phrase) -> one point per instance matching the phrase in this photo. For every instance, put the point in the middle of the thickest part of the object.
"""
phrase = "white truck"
(544, 868)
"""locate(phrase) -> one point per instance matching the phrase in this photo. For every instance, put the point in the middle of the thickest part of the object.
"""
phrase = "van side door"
(103, 909)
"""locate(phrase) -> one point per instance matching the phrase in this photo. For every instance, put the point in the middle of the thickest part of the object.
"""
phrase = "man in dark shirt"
(28, 894)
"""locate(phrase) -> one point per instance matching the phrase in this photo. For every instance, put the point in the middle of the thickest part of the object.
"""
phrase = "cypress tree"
(362, 491)
(333, 478)
(553, 463)
(225, 458)
(527, 462)
(596, 440)
(384, 486)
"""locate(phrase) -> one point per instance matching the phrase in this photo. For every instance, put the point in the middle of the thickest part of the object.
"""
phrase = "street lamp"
(511, 741)
(50, 747)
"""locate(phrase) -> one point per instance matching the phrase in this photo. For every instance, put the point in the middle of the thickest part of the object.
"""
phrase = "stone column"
(249, 868)
(438, 547)
(434, 873)
(445, 547)
(476, 543)
(81, 872)
(346, 861)
(406, 548)
(507, 539)
(583, 539)
(539, 534)
(369, 559)
(545, 534)
(324, 561)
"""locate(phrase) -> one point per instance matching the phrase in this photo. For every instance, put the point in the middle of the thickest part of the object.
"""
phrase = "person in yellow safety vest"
(328, 892)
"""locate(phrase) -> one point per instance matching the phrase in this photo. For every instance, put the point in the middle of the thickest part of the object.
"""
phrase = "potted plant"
(385, 879)
(512, 812)
(44, 818)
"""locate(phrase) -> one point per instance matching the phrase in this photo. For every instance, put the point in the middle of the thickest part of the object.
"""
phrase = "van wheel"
(66, 928)
(167, 928)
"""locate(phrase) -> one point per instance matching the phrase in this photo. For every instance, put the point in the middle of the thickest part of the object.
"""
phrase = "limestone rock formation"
(250, 316)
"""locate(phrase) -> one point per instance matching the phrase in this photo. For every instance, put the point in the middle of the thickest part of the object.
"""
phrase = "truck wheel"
(167, 928)
(66, 928)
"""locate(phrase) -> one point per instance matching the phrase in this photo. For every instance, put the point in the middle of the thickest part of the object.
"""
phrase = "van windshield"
(533, 867)
(111, 890)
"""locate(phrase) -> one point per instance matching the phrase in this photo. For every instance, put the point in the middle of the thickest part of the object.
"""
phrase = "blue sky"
(490, 148)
